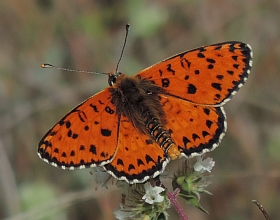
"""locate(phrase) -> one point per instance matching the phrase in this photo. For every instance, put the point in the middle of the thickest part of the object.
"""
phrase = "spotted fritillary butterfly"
(138, 124)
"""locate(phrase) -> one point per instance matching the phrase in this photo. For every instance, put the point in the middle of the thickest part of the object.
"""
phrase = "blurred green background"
(88, 35)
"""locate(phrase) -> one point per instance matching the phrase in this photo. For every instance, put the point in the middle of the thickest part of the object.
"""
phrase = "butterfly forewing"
(208, 75)
(86, 136)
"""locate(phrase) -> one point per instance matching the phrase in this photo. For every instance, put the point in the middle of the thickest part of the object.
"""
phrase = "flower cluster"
(192, 181)
(144, 201)
(151, 199)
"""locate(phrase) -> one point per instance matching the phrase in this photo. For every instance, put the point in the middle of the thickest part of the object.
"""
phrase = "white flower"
(204, 165)
(153, 194)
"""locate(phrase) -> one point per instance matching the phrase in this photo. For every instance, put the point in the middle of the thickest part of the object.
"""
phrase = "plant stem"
(172, 198)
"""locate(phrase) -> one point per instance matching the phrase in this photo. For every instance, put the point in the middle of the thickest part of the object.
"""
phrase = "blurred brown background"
(88, 35)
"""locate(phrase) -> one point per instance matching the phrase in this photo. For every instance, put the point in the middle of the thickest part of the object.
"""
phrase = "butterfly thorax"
(139, 100)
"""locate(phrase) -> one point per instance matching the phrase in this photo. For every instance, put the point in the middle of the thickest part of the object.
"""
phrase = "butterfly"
(138, 124)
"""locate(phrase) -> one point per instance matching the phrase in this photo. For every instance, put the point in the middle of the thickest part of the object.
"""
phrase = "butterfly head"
(113, 78)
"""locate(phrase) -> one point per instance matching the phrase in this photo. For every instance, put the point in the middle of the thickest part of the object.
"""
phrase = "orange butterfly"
(136, 125)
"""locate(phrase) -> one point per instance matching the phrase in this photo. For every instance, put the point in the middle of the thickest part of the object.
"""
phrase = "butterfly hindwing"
(138, 156)
(196, 129)
(207, 75)
(85, 137)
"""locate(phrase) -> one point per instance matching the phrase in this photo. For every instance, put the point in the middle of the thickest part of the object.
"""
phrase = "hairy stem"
(172, 198)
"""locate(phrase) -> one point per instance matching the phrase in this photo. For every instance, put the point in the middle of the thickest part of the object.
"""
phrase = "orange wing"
(85, 137)
(207, 75)
(196, 129)
(138, 156)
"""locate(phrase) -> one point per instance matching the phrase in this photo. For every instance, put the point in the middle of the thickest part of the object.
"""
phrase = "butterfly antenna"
(262, 209)
(47, 65)
(125, 39)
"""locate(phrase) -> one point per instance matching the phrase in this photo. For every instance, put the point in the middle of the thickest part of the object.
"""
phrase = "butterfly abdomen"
(161, 136)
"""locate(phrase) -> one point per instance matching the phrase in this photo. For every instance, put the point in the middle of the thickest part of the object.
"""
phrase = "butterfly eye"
(112, 79)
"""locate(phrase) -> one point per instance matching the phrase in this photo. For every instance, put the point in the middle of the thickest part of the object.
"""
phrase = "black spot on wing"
(109, 110)
(206, 111)
(82, 116)
(185, 141)
(232, 48)
(184, 61)
(235, 66)
(106, 132)
(72, 154)
(210, 60)
(68, 124)
(169, 69)
(53, 133)
(149, 159)
(200, 55)
(205, 133)
(131, 167)
(100, 102)
(217, 86)
(202, 49)
(209, 123)
(140, 162)
(218, 96)
(75, 136)
(191, 89)
(93, 107)
(103, 154)
(149, 141)
(69, 133)
(195, 136)
(165, 82)
(120, 162)
(92, 149)
(218, 47)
